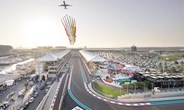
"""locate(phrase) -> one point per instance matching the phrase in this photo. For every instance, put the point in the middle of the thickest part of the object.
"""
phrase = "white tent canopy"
(54, 57)
(97, 58)
(92, 56)
(9, 82)
(132, 68)
(62, 53)
(102, 73)
(48, 57)
(87, 55)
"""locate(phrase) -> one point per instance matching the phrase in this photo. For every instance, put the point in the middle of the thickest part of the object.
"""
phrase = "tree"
(131, 86)
(147, 70)
(166, 69)
(182, 62)
(169, 70)
(122, 82)
(26, 86)
(173, 69)
(124, 86)
(176, 62)
(147, 84)
(140, 85)
(180, 69)
(161, 70)
(160, 65)
(183, 72)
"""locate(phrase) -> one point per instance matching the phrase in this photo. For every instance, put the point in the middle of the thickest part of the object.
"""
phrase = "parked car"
(31, 100)
(35, 94)
(22, 108)
(10, 95)
(25, 105)
(21, 93)
(46, 90)
(12, 99)
(2, 108)
(4, 105)
(43, 86)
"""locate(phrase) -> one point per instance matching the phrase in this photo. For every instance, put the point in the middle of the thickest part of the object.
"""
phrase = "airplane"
(65, 5)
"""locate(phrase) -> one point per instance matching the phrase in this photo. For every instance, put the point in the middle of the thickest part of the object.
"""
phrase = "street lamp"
(152, 86)
(135, 88)
(173, 84)
(168, 84)
(183, 83)
(127, 88)
(120, 90)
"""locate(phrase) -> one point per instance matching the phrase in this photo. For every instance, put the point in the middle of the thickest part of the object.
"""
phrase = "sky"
(100, 23)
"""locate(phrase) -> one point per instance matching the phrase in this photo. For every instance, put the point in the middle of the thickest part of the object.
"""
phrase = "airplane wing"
(65, 5)
(68, 5)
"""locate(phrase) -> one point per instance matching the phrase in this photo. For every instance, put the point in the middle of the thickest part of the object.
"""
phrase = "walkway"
(51, 94)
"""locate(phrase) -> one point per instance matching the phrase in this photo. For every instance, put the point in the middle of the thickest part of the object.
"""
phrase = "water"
(11, 68)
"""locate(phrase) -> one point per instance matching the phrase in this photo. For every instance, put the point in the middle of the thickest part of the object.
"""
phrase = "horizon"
(99, 47)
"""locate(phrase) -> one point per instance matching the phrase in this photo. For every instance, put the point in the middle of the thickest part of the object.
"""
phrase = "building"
(7, 77)
(134, 48)
(163, 80)
(5, 50)
(48, 65)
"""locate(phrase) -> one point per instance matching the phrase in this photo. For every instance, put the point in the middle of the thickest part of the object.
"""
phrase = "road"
(79, 92)
(16, 88)
(57, 102)
(38, 99)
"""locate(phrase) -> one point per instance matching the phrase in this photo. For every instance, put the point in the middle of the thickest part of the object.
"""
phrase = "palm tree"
(26, 86)
(183, 72)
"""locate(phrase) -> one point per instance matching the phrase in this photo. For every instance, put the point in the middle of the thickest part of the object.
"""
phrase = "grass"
(108, 90)
(172, 57)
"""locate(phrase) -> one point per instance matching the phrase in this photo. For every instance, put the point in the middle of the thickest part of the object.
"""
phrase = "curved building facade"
(134, 48)
(5, 50)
